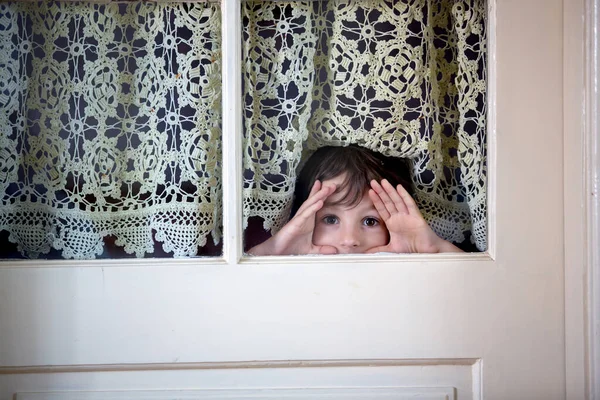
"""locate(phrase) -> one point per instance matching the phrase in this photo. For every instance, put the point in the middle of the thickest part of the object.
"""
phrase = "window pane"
(110, 121)
(406, 79)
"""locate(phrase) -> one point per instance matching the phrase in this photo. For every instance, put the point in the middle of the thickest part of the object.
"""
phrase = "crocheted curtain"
(109, 125)
(403, 77)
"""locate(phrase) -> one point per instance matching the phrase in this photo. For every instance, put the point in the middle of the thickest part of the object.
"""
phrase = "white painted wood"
(582, 216)
(390, 393)
(362, 375)
(505, 309)
(575, 50)
(592, 201)
(232, 130)
(492, 133)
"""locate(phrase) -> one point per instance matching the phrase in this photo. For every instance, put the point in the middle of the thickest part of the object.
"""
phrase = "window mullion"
(232, 130)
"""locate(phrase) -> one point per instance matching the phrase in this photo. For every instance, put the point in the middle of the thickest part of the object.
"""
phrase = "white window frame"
(233, 254)
(232, 159)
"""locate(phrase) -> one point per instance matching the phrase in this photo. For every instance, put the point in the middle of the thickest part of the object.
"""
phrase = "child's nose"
(350, 237)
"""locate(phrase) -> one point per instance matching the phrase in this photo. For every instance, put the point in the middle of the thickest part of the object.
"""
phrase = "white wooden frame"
(382, 393)
(232, 128)
(233, 253)
(591, 202)
(232, 151)
(582, 207)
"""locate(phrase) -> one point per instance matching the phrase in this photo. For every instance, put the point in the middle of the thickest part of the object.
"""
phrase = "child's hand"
(409, 232)
(296, 236)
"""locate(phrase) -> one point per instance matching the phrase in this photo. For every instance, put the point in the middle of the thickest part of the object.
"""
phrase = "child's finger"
(316, 194)
(325, 250)
(380, 249)
(411, 205)
(379, 206)
(315, 188)
(385, 197)
(308, 212)
(395, 197)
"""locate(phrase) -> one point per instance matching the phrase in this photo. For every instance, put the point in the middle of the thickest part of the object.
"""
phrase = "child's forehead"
(338, 200)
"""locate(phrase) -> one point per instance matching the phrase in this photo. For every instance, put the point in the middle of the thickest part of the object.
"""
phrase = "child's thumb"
(326, 250)
(380, 249)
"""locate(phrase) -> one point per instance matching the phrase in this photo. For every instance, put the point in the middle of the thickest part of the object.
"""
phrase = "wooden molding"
(582, 208)
(381, 393)
(591, 146)
(475, 363)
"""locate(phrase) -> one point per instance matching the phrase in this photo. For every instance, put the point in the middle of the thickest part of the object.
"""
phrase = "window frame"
(232, 173)
(233, 253)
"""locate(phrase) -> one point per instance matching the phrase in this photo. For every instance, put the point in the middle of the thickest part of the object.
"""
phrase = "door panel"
(488, 325)
(431, 379)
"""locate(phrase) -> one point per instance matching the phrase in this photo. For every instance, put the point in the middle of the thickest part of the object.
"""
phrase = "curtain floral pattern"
(403, 77)
(109, 125)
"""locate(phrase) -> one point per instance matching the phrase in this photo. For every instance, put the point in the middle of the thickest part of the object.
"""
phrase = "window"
(111, 126)
(112, 122)
(403, 78)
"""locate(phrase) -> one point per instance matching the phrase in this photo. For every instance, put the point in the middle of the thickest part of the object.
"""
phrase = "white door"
(468, 326)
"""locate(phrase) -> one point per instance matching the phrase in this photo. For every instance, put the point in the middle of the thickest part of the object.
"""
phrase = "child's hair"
(360, 165)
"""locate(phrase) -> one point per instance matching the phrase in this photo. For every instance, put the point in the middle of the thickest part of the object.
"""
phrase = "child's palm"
(296, 236)
(409, 232)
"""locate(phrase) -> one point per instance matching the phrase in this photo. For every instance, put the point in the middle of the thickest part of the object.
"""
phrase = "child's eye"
(330, 219)
(370, 221)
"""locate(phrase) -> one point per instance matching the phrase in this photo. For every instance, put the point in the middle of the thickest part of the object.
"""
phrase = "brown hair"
(360, 165)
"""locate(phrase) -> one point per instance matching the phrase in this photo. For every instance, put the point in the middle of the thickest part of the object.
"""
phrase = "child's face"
(350, 229)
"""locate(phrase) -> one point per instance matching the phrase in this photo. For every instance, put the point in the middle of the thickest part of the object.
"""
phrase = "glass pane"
(110, 121)
(405, 80)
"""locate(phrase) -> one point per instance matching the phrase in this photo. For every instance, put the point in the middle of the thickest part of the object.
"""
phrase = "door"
(466, 326)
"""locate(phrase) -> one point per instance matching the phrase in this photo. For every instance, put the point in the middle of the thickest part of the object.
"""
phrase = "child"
(353, 200)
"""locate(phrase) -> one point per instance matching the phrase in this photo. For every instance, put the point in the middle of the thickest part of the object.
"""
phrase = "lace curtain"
(403, 77)
(110, 114)
(109, 125)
